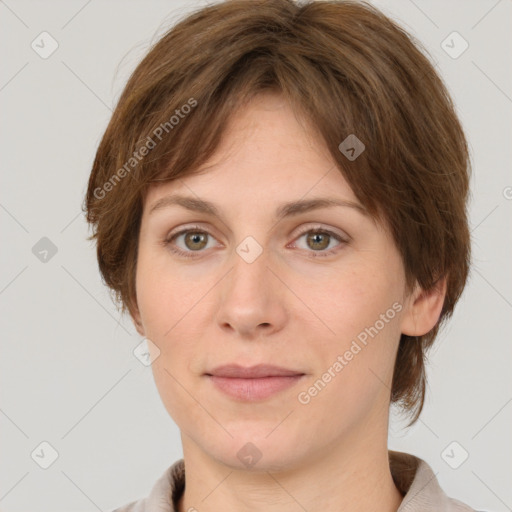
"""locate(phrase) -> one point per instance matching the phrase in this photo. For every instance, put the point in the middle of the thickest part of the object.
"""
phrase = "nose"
(251, 298)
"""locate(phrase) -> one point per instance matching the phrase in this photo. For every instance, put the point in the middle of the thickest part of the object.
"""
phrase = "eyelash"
(313, 254)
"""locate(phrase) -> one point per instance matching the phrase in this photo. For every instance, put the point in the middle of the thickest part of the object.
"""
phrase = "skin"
(285, 308)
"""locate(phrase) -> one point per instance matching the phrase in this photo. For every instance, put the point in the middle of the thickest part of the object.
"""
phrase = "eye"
(320, 239)
(194, 238)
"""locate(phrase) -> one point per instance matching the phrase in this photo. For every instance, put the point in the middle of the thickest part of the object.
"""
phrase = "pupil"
(195, 238)
(319, 238)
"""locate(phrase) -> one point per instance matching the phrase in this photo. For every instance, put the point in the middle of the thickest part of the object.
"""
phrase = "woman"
(279, 202)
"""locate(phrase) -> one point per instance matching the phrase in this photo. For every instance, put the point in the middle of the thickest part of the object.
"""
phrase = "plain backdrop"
(68, 374)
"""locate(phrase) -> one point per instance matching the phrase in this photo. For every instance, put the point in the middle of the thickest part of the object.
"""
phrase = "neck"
(352, 474)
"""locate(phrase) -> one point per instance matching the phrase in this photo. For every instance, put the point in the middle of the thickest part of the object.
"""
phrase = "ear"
(423, 309)
(136, 318)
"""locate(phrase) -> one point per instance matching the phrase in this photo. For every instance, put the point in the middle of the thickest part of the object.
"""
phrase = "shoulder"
(164, 493)
(134, 506)
(420, 487)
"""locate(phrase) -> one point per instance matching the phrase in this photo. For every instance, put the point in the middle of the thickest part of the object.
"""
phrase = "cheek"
(160, 293)
(166, 291)
(362, 311)
(170, 303)
(345, 301)
(353, 378)
(365, 341)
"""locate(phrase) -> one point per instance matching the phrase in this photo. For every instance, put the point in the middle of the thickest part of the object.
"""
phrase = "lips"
(254, 383)
(252, 372)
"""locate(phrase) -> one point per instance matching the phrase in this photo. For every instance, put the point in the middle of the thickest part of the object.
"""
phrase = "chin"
(256, 453)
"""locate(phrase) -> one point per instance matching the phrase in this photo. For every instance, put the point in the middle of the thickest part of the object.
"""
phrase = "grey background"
(68, 374)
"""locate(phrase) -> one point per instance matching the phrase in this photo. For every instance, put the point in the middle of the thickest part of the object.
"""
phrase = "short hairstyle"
(346, 69)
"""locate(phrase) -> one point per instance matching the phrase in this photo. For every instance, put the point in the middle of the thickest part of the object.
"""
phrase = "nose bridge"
(250, 296)
(250, 273)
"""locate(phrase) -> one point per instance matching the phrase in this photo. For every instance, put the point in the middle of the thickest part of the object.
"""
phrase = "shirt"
(412, 476)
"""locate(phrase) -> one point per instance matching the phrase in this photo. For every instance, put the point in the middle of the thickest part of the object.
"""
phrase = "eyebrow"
(285, 210)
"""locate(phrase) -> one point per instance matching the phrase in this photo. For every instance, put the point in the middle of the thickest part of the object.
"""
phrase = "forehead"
(266, 151)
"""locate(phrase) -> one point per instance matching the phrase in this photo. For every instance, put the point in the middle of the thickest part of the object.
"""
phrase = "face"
(318, 291)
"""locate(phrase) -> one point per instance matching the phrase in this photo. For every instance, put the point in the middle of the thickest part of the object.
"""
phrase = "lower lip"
(251, 390)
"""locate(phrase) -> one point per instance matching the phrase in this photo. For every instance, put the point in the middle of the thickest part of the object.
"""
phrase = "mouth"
(252, 372)
(255, 383)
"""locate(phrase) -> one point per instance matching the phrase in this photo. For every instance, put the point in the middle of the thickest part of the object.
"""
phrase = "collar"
(412, 476)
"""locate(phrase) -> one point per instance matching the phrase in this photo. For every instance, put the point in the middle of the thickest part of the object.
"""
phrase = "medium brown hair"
(346, 68)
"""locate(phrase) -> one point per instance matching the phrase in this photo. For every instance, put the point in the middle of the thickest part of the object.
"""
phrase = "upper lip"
(252, 372)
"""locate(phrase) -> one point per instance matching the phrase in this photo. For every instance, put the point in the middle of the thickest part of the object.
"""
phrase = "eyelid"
(189, 227)
(315, 226)
(304, 229)
(342, 241)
